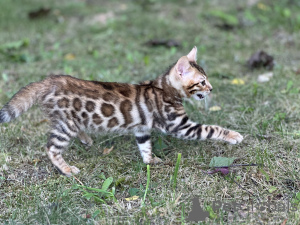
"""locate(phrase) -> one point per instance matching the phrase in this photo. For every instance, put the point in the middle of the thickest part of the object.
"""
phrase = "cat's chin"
(200, 96)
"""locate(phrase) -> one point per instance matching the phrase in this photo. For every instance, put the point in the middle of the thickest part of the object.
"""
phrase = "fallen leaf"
(298, 71)
(223, 170)
(238, 82)
(284, 222)
(221, 162)
(106, 151)
(167, 43)
(69, 56)
(39, 13)
(35, 161)
(272, 189)
(133, 198)
(215, 108)
(260, 59)
(228, 21)
(263, 7)
(15, 45)
(264, 77)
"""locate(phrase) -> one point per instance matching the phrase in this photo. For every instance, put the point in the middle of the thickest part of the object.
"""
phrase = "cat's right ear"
(182, 66)
(192, 56)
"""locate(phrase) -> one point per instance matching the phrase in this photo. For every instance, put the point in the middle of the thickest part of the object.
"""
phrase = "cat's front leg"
(143, 140)
(220, 133)
(191, 130)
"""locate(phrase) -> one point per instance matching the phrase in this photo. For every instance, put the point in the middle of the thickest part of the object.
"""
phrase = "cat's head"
(190, 78)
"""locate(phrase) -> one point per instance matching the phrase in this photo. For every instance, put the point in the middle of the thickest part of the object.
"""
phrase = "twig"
(236, 165)
(78, 180)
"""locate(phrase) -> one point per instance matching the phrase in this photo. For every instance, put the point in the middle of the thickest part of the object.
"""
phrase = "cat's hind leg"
(143, 140)
(85, 139)
(58, 141)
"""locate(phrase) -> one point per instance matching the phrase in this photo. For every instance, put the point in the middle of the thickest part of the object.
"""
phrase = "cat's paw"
(233, 137)
(155, 160)
(68, 171)
(74, 169)
(152, 160)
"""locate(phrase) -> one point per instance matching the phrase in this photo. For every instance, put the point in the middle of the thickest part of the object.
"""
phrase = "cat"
(75, 106)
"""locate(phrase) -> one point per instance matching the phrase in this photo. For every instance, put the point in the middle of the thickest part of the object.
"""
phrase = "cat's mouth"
(200, 96)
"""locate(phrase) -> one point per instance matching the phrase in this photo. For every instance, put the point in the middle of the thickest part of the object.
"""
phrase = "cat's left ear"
(192, 56)
(183, 66)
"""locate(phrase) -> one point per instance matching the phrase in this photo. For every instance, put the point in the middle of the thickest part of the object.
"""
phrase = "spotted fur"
(77, 106)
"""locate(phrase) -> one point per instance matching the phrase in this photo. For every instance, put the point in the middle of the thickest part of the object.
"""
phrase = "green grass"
(267, 114)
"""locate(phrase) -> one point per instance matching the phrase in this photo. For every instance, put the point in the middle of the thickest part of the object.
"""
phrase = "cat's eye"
(203, 83)
(193, 91)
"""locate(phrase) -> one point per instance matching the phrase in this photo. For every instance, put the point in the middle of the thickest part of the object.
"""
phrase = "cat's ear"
(192, 56)
(182, 66)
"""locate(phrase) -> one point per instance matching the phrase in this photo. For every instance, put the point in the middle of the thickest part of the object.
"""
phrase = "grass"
(104, 40)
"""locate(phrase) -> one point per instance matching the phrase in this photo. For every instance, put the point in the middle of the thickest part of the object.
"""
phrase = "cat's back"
(71, 86)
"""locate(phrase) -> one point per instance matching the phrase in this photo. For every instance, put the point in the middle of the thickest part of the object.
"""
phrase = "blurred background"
(135, 40)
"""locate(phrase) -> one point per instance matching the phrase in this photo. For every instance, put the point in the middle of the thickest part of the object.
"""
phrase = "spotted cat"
(77, 106)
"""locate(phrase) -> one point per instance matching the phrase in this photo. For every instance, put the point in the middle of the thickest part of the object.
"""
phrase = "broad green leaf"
(15, 44)
(226, 17)
(88, 196)
(5, 77)
(133, 191)
(286, 13)
(221, 162)
(107, 183)
(272, 189)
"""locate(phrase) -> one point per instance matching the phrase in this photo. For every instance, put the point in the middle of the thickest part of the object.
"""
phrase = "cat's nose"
(210, 89)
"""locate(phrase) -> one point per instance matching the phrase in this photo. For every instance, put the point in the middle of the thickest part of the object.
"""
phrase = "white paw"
(156, 160)
(233, 137)
(74, 170)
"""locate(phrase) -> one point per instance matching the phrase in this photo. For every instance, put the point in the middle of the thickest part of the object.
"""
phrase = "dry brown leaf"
(69, 56)
(284, 222)
(35, 161)
(39, 13)
(106, 151)
(261, 59)
(133, 198)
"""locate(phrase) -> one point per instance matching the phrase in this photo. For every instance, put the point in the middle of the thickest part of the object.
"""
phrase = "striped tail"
(21, 101)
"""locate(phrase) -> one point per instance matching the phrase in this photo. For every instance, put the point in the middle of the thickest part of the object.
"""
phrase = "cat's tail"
(21, 101)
